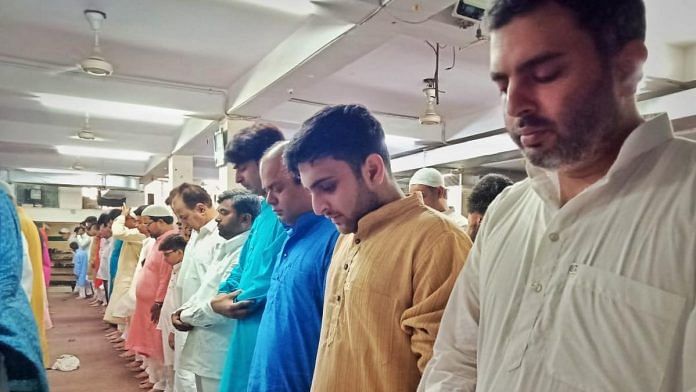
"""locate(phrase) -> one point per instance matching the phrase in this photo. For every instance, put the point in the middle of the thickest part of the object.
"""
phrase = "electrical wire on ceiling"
(408, 21)
(436, 75)
(479, 38)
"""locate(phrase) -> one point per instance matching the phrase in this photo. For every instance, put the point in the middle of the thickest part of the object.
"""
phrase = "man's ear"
(374, 170)
(628, 68)
(246, 220)
(201, 208)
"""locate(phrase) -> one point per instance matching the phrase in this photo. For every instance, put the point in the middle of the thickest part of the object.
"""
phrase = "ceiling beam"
(321, 47)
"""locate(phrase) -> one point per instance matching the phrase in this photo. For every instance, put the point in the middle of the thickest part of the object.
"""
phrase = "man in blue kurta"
(288, 337)
(246, 287)
(113, 264)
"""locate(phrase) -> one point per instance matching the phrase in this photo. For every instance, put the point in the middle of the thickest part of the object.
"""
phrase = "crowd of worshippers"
(234, 298)
(324, 275)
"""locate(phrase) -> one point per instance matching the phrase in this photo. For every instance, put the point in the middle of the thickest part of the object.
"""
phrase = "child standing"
(80, 269)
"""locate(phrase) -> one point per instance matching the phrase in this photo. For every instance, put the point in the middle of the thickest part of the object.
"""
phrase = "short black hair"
(250, 143)
(73, 245)
(139, 211)
(107, 217)
(103, 219)
(485, 191)
(612, 24)
(347, 133)
(89, 221)
(192, 194)
(166, 219)
(172, 242)
(244, 202)
(95, 224)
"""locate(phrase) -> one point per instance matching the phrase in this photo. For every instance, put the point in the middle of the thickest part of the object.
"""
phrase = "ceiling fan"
(86, 133)
(95, 64)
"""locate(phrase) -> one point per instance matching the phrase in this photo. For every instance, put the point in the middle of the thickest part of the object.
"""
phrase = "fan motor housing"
(97, 66)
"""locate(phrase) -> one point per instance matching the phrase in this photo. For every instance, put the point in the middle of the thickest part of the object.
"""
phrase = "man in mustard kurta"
(38, 292)
(394, 264)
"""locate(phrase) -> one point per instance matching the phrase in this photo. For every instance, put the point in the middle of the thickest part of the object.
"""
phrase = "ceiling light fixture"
(295, 7)
(113, 109)
(104, 153)
(430, 115)
(53, 171)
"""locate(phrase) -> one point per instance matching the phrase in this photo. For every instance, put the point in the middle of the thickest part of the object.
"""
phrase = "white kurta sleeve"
(27, 271)
(121, 232)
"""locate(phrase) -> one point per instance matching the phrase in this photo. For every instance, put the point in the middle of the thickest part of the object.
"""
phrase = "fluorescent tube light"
(54, 171)
(295, 7)
(113, 109)
(104, 153)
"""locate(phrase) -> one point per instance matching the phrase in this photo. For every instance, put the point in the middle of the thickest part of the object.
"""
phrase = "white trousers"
(207, 384)
(184, 381)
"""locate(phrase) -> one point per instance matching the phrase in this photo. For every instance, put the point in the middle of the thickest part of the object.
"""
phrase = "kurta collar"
(386, 214)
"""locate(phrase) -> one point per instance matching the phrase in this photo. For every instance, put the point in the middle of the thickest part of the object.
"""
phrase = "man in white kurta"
(194, 207)
(590, 295)
(206, 345)
(583, 276)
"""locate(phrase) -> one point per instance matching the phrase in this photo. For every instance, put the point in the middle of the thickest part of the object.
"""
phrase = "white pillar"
(180, 169)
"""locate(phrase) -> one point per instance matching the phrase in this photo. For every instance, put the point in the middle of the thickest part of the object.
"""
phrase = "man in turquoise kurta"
(244, 291)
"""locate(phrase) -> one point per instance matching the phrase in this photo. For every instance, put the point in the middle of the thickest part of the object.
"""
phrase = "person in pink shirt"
(144, 337)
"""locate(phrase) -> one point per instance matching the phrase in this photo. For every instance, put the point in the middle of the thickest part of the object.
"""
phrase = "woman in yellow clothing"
(38, 292)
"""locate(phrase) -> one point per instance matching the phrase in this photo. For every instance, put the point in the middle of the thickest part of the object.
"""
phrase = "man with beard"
(209, 333)
(431, 184)
(144, 338)
(393, 266)
(571, 285)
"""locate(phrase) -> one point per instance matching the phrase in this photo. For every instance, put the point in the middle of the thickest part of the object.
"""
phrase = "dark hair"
(89, 221)
(347, 133)
(103, 219)
(73, 245)
(172, 242)
(91, 225)
(192, 194)
(139, 211)
(244, 202)
(612, 24)
(251, 142)
(485, 191)
(174, 192)
(77, 229)
(166, 219)
(107, 217)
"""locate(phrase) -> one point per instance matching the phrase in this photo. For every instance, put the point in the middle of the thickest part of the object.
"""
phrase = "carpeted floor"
(78, 329)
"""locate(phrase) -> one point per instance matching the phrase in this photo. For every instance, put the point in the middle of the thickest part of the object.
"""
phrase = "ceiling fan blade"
(4, 92)
(64, 70)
